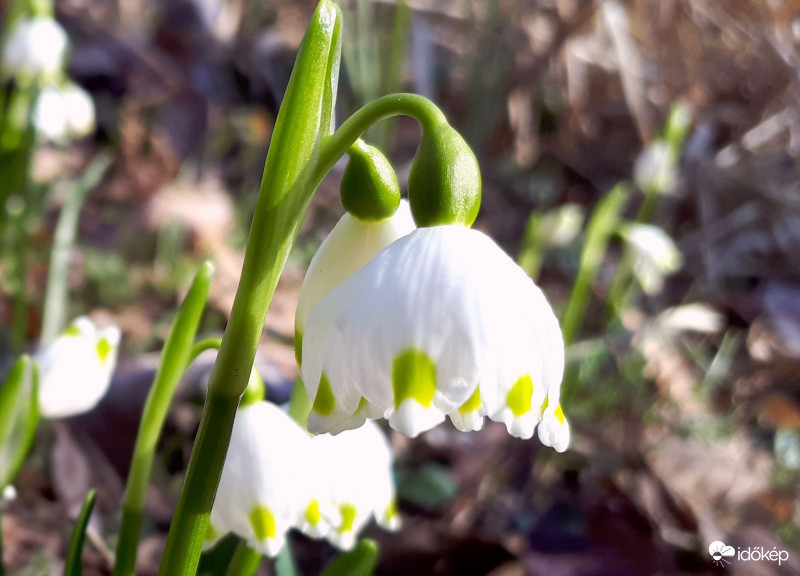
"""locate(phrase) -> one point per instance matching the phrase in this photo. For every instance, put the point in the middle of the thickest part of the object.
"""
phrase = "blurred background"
(589, 119)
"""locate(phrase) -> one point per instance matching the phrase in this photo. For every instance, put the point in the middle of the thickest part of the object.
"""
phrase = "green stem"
(245, 561)
(175, 357)
(602, 224)
(55, 297)
(334, 147)
(201, 346)
(74, 563)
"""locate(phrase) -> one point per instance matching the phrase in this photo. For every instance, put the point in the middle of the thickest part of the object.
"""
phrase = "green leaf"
(74, 563)
(430, 486)
(360, 561)
(19, 417)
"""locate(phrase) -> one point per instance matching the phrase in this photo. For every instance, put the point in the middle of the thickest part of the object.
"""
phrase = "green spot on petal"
(348, 512)
(520, 395)
(413, 376)
(325, 401)
(313, 515)
(391, 510)
(263, 523)
(298, 347)
(560, 415)
(71, 331)
(211, 533)
(103, 349)
(472, 404)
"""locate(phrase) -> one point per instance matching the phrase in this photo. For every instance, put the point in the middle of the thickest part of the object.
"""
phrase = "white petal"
(554, 431)
(265, 483)
(35, 48)
(75, 370)
(358, 472)
(80, 111)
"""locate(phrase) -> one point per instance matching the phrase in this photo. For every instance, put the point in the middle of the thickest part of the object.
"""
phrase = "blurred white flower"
(655, 255)
(656, 168)
(356, 466)
(351, 244)
(266, 484)
(75, 370)
(442, 322)
(63, 113)
(35, 49)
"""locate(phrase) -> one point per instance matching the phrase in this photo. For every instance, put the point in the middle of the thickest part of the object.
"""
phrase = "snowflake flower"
(75, 370)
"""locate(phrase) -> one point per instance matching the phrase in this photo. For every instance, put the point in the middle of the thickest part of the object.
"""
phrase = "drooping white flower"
(656, 168)
(34, 49)
(266, 486)
(441, 322)
(356, 467)
(75, 370)
(351, 244)
(63, 112)
(655, 255)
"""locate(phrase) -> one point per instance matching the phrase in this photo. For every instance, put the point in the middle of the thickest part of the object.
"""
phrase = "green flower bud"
(255, 391)
(369, 188)
(444, 185)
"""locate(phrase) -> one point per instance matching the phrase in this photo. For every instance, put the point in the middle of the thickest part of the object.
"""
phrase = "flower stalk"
(176, 356)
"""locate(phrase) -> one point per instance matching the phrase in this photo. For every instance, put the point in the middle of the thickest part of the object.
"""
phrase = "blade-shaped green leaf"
(74, 564)
(360, 561)
(19, 416)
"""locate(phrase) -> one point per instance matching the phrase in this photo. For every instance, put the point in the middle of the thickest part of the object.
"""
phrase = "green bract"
(444, 185)
(369, 188)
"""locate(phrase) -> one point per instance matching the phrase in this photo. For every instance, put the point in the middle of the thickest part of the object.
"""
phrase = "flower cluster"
(33, 55)
(277, 477)
(75, 370)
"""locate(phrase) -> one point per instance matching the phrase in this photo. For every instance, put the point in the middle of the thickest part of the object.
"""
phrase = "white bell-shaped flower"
(63, 112)
(441, 322)
(266, 486)
(75, 370)
(35, 48)
(356, 468)
(655, 255)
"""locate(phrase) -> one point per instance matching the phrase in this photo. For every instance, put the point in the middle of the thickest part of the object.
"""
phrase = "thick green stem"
(418, 107)
(55, 296)
(245, 561)
(175, 357)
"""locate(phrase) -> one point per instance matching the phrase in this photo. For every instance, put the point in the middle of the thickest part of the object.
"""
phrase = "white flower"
(266, 485)
(63, 113)
(656, 168)
(655, 255)
(351, 244)
(75, 370)
(35, 49)
(356, 466)
(441, 322)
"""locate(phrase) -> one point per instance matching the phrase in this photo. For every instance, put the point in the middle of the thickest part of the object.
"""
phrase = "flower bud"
(444, 185)
(369, 188)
